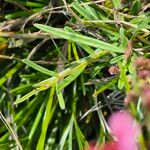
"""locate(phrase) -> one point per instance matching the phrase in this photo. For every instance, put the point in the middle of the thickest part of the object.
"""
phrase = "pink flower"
(125, 130)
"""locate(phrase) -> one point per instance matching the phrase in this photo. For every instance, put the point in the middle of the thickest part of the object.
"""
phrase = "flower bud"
(113, 70)
(143, 74)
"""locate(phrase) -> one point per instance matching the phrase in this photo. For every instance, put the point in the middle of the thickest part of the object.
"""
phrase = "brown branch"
(34, 35)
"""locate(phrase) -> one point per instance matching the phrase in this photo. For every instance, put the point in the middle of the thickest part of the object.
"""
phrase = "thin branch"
(14, 135)
(9, 57)
(36, 48)
(34, 35)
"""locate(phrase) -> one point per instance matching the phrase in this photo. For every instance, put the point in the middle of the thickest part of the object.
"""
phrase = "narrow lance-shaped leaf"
(60, 98)
(46, 119)
(70, 137)
(21, 88)
(82, 11)
(10, 73)
(80, 137)
(80, 38)
(39, 68)
(66, 133)
(36, 122)
(25, 97)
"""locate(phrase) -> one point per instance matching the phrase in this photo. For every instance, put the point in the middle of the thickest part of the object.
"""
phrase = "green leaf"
(80, 137)
(86, 48)
(46, 119)
(80, 38)
(117, 3)
(135, 8)
(25, 97)
(92, 12)
(104, 87)
(22, 88)
(60, 98)
(123, 39)
(120, 84)
(39, 68)
(116, 59)
(10, 73)
(69, 79)
(70, 136)
(123, 81)
(36, 122)
(84, 12)
(65, 134)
